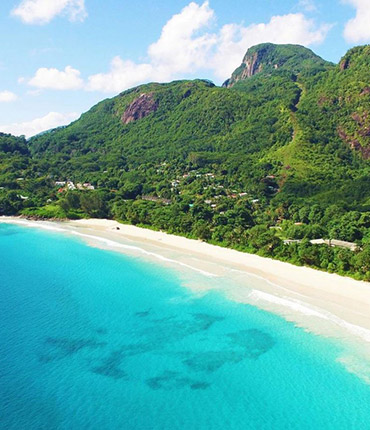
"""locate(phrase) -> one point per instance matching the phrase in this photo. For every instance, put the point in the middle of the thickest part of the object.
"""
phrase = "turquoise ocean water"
(92, 339)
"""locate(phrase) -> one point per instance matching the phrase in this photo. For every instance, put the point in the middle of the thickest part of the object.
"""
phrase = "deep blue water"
(91, 339)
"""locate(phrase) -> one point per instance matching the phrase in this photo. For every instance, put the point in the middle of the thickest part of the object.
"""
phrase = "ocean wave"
(113, 244)
(288, 303)
(358, 366)
(34, 224)
(108, 242)
(266, 281)
(309, 310)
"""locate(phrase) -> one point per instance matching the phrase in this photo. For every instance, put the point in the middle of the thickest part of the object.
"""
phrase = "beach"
(321, 302)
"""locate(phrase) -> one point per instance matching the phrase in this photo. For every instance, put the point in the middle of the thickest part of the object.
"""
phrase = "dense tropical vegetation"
(276, 158)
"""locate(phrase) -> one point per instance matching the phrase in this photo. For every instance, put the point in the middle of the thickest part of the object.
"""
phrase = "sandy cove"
(322, 302)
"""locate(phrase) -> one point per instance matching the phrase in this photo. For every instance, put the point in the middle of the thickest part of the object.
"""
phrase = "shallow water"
(92, 339)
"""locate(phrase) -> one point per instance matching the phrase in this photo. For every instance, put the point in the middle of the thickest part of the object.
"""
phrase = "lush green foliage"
(279, 156)
(267, 58)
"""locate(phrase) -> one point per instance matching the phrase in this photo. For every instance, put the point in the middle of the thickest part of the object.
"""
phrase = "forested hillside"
(277, 157)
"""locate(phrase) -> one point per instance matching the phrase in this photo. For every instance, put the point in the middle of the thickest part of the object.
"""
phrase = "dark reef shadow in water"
(170, 380)
(143, 314)
(254, 342)
(160, 333)
(58, 348)
(210, 361)
(166, 332)
(111, 366)
(8, 230)
(170, 329)
(245, 344)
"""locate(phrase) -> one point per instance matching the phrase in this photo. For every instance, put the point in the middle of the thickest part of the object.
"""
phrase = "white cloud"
(34, 93)
(67, 79)
(308, 5)
(178, 50)
(37, 125)
(43, 11)
(234, 39)
(7, 96)
(123, 74)
(357, 29)
(187, 46)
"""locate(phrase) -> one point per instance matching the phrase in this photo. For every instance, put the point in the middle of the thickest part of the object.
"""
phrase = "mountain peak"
(267, 57)
(358, 57)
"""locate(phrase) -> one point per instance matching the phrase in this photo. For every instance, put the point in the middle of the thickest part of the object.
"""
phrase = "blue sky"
(60, 57)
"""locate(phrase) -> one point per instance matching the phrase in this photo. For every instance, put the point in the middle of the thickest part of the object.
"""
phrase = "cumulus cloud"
(186, 45)
(67, 79)
(357, 29)
(122, 74)
(178, 50)
(37, 125)
(7, 96)
(43, 11)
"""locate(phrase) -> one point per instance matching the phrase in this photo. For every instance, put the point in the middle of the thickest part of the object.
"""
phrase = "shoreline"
(324, 303)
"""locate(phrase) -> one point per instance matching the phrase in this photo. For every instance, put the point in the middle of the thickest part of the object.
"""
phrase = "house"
(289, 241)
(330, 242)
(343, 244)
(335, 243)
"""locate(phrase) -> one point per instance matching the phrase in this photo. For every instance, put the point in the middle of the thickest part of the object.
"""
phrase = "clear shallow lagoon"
(92, 339)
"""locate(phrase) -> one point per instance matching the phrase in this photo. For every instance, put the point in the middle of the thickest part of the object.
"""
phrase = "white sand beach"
(325, 303)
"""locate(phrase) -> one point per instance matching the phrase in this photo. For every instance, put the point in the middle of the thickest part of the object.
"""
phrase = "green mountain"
(279, 153)
(268, 58)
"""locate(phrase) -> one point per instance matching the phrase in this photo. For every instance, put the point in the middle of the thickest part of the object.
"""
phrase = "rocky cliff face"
(250, 66)
(357, 133)
(140, 108)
